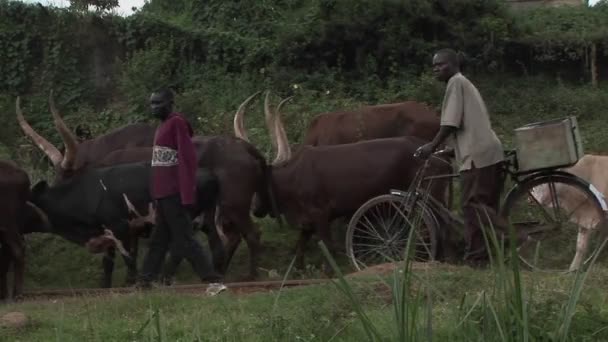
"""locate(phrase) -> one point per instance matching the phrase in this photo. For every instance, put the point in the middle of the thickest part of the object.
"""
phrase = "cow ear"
(40, 187)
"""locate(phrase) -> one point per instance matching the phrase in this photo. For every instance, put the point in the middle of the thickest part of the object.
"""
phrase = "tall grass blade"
(371, 331)
(575, 294)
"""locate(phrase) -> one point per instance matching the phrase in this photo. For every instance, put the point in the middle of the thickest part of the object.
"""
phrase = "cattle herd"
(100, 197)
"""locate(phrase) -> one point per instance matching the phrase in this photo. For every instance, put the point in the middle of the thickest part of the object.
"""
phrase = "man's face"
(160, 106)
(442, 68)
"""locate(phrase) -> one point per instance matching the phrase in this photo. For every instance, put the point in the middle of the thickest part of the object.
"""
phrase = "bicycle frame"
(510, 168)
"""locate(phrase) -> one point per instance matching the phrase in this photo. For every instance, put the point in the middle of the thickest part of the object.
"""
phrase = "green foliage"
(100, 5)
(563, 33)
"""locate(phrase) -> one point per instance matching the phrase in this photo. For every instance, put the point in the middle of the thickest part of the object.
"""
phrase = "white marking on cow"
(140, 220)
(107, 233)
(600, 197)
(103, 185)
(219, 227)
(130, 205)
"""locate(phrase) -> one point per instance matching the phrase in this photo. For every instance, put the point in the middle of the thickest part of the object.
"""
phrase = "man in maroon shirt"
(173, 187)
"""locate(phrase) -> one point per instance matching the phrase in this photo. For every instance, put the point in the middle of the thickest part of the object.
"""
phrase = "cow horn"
(49, 149)
(239, 127)
(283, 149)
(69, 139)
(269, 119)
(43, 216)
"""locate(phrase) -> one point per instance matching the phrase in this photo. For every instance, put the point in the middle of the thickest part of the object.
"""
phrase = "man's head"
(445, 64)
(161, 103)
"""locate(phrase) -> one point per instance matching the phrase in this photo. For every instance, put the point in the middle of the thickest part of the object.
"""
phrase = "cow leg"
(251, 234)
(232, 243)
(305, 235)
(18, 247)
(322, 227)
(131, 262)
(108, 267)
(5, 258)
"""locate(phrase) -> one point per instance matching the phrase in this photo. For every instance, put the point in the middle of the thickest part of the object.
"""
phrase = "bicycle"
(369, 240)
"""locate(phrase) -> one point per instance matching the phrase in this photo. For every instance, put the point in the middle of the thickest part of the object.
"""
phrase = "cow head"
(262, 203)
(63, 164)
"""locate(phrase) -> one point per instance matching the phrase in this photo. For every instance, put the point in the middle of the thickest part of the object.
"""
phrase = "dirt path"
(239, 288)
(201, 289)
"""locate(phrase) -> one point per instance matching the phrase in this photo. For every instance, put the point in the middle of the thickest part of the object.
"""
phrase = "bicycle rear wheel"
(563, 217)
(379, 230)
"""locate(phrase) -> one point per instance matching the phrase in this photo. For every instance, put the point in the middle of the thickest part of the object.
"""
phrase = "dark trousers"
(174, 231)
(481, 190)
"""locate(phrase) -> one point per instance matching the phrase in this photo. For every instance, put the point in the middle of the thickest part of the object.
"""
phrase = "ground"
(317, 312)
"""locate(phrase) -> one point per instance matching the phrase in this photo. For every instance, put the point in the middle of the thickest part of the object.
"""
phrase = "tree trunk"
(593, 65)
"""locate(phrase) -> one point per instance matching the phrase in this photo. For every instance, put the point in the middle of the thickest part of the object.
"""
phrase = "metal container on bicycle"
(548, 144)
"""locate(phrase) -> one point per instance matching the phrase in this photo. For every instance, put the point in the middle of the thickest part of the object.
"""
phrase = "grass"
(315, 313)
(61, 264)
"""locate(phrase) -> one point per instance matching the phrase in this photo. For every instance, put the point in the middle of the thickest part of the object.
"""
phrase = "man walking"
(173, 187)
(466, 127)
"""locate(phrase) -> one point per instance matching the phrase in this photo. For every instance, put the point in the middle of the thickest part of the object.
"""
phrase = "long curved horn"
(49, 149)
(283, 149)
(239, 126)
(269, 119)
(43, 217)
(69, 139)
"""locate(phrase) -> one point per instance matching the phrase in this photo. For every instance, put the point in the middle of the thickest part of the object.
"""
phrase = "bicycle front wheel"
(563, 218)
(379, 231)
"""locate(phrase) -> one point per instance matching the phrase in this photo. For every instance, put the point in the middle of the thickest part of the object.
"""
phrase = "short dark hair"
(452, 56)
(165, 92)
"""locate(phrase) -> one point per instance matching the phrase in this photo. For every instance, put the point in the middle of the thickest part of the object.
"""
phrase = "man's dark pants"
(481, 190)
(174, 231)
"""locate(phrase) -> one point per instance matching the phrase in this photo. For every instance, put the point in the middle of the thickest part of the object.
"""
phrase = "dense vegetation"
(330, 54)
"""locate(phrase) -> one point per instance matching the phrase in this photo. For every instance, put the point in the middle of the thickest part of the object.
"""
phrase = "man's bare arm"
(443, 133)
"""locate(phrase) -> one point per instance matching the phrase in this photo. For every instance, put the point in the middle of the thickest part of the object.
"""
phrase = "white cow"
(593, 169)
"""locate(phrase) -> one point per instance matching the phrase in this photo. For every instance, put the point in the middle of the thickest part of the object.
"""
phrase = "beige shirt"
(474, 142)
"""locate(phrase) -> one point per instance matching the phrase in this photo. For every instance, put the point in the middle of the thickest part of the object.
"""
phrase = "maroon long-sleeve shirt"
(174, 160)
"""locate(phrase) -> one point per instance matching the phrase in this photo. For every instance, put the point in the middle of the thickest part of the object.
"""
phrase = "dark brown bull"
(16, 217)
(240, 169)
(320, 184)
(373, 122)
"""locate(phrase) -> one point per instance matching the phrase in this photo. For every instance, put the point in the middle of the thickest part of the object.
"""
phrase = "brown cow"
(79, 155)
(373, 122)
(17, 216)
(319, 184)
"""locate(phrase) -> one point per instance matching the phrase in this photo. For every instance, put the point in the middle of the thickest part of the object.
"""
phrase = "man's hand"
(447, 152)
(424, 151)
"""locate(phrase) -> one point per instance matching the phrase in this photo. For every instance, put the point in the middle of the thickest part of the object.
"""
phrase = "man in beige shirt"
(466, 127)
